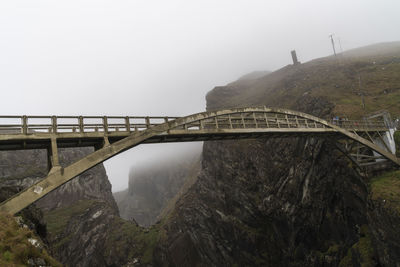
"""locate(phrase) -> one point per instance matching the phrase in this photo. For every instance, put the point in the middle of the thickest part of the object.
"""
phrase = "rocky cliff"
(24, 167)
(291, 201)
(151, 190)
(21, 169)
(79, 222)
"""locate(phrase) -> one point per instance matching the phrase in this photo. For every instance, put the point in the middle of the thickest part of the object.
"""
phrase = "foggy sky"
(162, 57)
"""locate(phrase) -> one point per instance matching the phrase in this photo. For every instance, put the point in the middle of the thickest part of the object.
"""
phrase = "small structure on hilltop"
(294, 57)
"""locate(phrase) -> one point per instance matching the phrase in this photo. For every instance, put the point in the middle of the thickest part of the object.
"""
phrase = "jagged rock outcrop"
(285, 201)
(24, 167)
(92, 184)
(21, 169)
(269, 202)
(91, 233)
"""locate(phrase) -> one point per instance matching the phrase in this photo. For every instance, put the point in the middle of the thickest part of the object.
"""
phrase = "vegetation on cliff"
(362, 252)
(385, 188)
(19, 246)
(357, 82)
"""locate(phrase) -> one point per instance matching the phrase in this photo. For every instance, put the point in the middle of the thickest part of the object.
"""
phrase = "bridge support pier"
(52, 155)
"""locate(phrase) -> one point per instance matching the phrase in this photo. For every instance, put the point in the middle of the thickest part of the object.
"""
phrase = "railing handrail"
(131, 123)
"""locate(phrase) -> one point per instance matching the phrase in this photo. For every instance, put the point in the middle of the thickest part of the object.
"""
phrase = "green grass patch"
(58, 219)
(15, 249)
(125, 233)
(386, 187)
(345, 82)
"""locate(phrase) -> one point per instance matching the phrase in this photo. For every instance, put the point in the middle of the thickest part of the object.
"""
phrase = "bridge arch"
(213, 123)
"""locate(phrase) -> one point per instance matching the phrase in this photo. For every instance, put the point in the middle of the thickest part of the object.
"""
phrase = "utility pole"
(333, 44)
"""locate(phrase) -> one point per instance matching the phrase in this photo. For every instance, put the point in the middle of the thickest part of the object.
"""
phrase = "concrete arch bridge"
(363, 142)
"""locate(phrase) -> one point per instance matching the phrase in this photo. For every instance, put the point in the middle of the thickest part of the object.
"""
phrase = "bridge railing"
(355, 124)
(252, 120)
(275, 120)
(80, 124)
(87, 124)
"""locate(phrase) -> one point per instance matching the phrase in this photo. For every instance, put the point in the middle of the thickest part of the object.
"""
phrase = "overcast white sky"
(161, 57)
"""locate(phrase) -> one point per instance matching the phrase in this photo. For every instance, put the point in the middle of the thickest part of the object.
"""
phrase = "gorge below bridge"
(364, 142)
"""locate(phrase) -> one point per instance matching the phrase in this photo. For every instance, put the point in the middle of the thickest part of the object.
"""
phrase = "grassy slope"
(15, 249)
(387, 187)
(336, 79)
(57, 220)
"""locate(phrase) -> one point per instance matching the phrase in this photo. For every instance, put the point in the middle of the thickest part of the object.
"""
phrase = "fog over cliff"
(160, 58)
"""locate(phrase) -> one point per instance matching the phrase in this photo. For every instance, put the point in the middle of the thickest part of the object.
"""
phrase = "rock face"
(151, 190)
(90, 233)
(92, 184)
(21, 169)
(285, 201)
(269, 202)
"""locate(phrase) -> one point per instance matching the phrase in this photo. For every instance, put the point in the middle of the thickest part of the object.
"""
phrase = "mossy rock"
(361, 253)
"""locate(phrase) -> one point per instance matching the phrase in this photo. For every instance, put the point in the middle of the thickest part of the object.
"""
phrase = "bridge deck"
(36, 132)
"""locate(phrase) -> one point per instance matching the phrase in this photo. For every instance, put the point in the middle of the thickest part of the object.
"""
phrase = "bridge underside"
(97, 140)
(357, 142)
